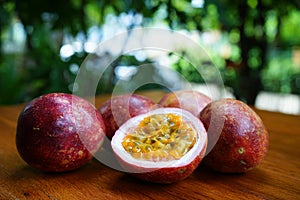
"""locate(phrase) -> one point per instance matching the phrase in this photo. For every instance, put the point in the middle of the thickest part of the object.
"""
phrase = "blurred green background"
(254, 43)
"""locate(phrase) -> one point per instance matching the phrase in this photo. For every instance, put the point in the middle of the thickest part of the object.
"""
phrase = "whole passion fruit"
(243, 140)
(192, 101)
(163, 146)
(117, 110)
(59, 132)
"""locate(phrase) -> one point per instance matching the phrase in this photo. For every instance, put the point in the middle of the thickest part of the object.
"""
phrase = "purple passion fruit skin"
(243, 142)
(170, 174)
(192, 101)
(159, 170)
(117, 110)
(59, 132)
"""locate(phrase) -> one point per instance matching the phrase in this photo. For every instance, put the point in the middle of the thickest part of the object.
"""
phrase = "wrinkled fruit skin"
(243, 141)
(117, 110)
(189, 100)
(58, 132)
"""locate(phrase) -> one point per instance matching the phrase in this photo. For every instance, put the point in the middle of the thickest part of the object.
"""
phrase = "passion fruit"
(243, 140)
(190, 100)
(59, 132)
(117, 110)
(163, 146)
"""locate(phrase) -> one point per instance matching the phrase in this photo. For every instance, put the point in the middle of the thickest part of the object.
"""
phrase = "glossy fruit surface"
(192, 101)
(117, 110)
(243, 140)
(164, 145)
(59, 132)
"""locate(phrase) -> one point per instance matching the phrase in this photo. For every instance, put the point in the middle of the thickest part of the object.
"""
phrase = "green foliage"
(11, 88)
(251, 28)
(281, 74)
(210, 20)
(290, 28)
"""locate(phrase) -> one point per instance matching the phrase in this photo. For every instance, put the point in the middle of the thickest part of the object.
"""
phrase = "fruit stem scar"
(181, 170)
(241, 150)
(80, 153)
(258, 133)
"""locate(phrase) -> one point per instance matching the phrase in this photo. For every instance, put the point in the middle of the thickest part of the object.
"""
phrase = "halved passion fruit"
(164, 145)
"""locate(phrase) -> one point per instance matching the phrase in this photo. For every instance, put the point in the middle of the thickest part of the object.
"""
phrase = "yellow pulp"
(160, 137)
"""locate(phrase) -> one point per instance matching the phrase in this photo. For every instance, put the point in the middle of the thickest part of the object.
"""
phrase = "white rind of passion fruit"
(186, 141)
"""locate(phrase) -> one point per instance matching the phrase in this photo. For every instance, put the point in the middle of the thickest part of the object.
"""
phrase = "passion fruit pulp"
(159, 137)
(164, 145)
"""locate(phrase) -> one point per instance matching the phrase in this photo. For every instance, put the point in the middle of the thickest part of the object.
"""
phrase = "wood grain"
(277, 177)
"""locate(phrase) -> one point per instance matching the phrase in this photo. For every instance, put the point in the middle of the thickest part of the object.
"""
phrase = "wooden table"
(277, 177)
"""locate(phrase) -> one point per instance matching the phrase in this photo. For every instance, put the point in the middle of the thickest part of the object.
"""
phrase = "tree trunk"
(249, 80)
